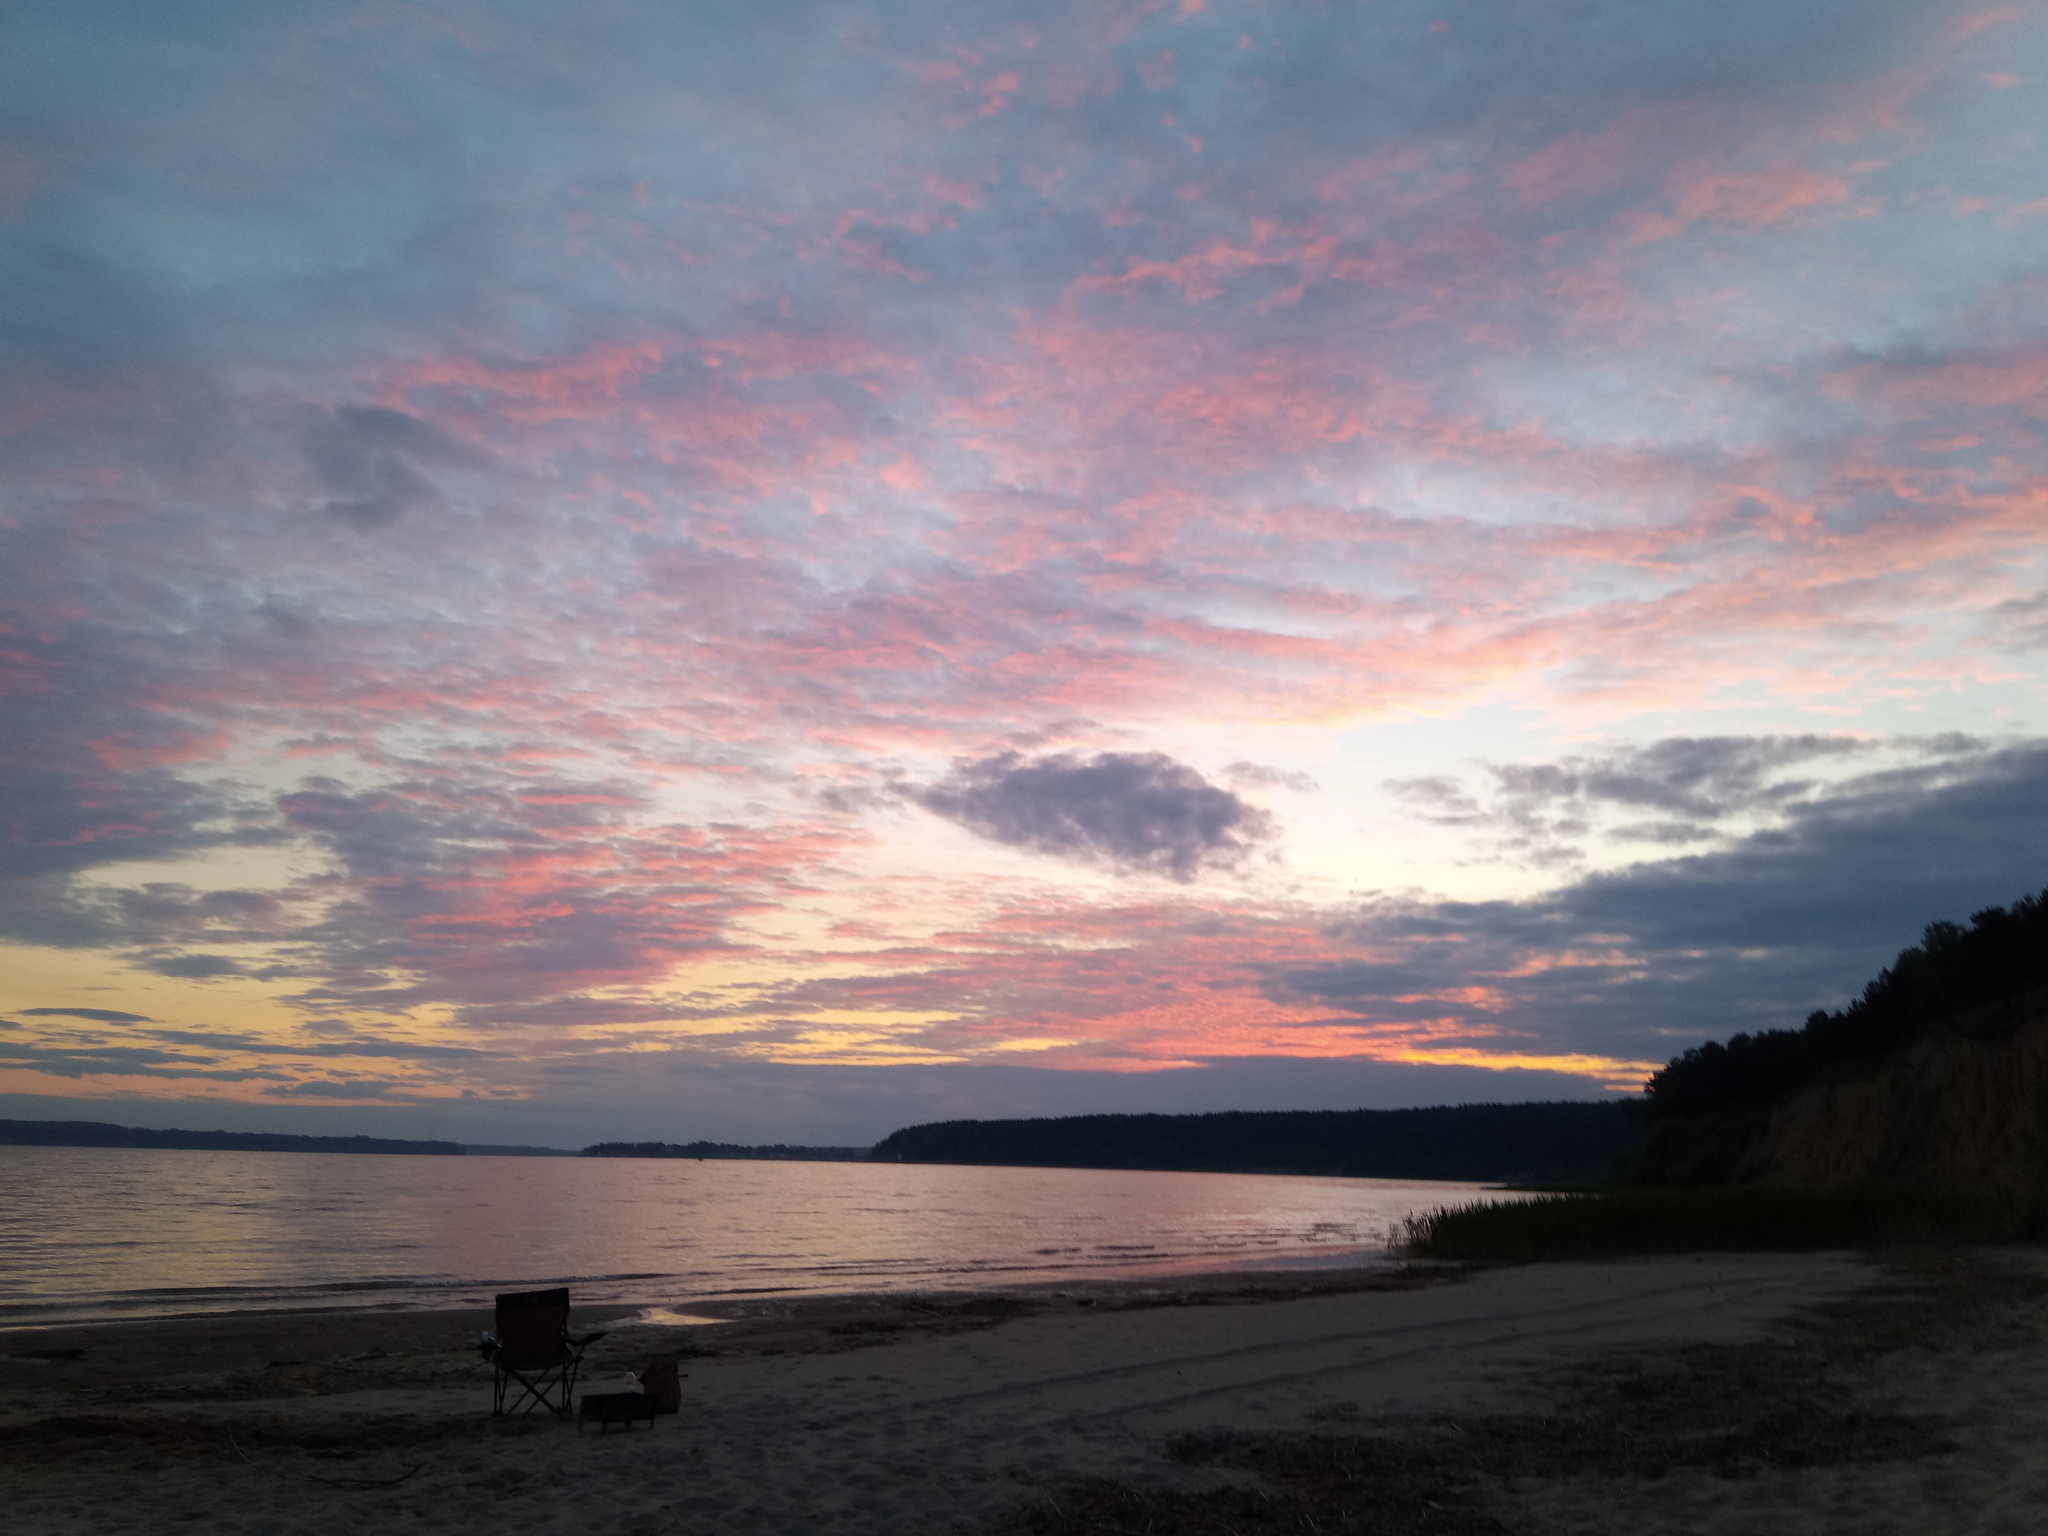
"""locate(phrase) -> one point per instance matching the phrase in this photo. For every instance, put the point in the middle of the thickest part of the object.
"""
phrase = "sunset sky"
(774, 571)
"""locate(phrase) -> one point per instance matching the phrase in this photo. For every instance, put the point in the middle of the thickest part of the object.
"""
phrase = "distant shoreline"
(1528, 1144)
(94, 1133)
(716, 1151)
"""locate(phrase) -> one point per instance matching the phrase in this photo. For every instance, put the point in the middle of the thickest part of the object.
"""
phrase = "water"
(90, 1233)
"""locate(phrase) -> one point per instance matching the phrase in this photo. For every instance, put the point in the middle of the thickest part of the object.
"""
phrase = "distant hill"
(1561, 1143)
(92, 1133)
(725, 1150)
(483, 1149)
(1937, 1076)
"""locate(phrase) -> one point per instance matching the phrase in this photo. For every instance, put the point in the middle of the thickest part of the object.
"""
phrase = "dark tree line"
(726, 1150)
(1532, 1143)
(91, 1133)
(2000, 959)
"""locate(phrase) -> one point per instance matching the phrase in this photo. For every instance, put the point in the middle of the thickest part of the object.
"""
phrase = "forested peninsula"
(706, 1150)
(1936, 1078)
(93, 1133)
(1556, 1143)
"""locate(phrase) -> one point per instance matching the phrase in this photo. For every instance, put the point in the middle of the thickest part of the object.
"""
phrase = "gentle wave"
(90, 1233)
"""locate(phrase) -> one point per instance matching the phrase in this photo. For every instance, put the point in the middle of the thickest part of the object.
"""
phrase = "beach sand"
(1737, 1393)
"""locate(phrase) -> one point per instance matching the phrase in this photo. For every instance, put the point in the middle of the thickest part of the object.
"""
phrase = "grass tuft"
(1617, 1222)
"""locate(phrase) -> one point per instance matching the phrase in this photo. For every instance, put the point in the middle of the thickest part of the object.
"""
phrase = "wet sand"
(946, 1412)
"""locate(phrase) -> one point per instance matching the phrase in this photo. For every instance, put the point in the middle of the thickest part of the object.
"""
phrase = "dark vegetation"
(91, 1133)
(1523, 1143)
(1707, 1113)
(1727, 1410)
(1707, 1107)
(2001, 958)
(1742, 1218)
(725, 1150)
(1690, 1185)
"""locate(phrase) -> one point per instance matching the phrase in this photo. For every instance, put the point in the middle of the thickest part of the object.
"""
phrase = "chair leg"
(535, 1391)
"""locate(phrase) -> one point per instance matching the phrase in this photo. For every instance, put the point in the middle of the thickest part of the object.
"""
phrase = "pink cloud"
(541, 390)
(1981, 21)
(1747, 178)
(1921, 391)
(1142, 987)
(1744, 201)
(1631, 149)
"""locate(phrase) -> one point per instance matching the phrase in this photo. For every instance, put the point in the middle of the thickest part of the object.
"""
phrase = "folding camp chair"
(534, 1349)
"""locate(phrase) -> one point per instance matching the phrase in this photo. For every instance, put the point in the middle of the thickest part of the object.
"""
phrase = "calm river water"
(114, 1232)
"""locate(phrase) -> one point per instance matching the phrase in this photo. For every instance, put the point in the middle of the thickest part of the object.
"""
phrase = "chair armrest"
(587, 1340)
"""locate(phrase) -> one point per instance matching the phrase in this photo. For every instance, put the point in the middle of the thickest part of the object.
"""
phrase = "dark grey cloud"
(1259, 776)
(393, 843)
(1439, 798)
(423, 855)
(143, 1051)
(97, 1015)
(64, 817)
(332, 1088)
(76, 1061)
(1756, 935)
(1895, 850)
(285, 621)
(860, 799)
(1671, 833)
(54, 910)
(2022, 622)
(1701, 777)
(1130, 810)
(361, 1045)
(194, 967)
(101, 659)
(371, 457)
(406, 827)
(1543, 812)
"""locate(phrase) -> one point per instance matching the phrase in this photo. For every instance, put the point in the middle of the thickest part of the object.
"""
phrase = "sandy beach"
(1702, 1393)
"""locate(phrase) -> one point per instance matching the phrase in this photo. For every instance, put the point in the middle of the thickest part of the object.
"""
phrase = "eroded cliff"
(1960, 1109)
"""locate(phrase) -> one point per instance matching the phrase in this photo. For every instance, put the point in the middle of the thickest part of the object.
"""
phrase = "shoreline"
(144, 1347)
(1195, 1270)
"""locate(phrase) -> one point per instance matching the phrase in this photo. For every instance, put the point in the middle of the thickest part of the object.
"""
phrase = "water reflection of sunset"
(112, 1232)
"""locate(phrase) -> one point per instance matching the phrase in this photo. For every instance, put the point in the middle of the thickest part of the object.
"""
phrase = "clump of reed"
(1607, 1223)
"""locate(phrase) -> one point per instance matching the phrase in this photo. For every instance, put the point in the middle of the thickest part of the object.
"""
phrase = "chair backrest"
(531, 1325)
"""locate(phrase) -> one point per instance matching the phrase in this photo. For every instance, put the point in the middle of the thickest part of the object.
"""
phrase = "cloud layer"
(1123, 539)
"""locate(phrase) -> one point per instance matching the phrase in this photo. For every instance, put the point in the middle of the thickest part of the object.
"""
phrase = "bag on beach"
(658, 1379)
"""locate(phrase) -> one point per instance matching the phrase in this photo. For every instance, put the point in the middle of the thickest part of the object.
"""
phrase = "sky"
(768, 573)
